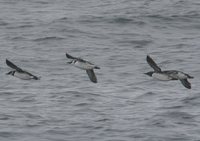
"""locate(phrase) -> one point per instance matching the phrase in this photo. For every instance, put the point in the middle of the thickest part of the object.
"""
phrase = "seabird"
(84, 65)
(168, 74)
(20, 73)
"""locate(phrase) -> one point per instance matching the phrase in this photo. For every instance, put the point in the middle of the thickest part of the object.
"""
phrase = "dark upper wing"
(153, 64)
(79, 59)
(172, 73)
(92, 75)
(186, 83)
(13, 66)
(70, 57)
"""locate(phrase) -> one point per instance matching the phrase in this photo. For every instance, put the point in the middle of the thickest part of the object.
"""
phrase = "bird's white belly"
(23, 76)
(84, 66)
(162, 77)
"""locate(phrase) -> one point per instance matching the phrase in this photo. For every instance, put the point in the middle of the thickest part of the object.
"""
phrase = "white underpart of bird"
(23, 76)
(161, 77)
(83, 65)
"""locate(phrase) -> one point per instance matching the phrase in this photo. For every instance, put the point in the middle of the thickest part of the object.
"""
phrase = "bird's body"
(168, 74)
(19, 73)
(22, 75)
(161, 76)
(84, 65)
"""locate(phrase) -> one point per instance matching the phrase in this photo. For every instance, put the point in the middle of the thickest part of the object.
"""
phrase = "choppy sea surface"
(125, 104)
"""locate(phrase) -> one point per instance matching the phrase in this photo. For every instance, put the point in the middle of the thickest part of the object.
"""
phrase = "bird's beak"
(96, 67)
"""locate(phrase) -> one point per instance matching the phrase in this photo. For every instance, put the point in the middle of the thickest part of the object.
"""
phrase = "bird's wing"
(70, 57)
(153, 64)
(33, 76)
(92, 75)
(186, 83)
(13, 66)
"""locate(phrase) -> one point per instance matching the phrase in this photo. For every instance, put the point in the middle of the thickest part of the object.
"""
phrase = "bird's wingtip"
(7, 61)
(69, 56)
(66, 54)
(148, 57)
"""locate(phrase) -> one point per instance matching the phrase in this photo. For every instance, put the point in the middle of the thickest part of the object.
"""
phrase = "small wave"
(191, 14)
(147, 94)
(121, 20)
(173, 107)
(126, 20)
(112, 20)
(62, 19)
(27, 99)
(56, 131)
(33, 116)
(7, 134)
(18, 38)
(184, 17)
(7, 93)
(20, 26)
(160, 17)
(41, 2)
(77, 93)
(103, 120)
(158, 122)
(145, 98)
(91, 19)
(195, 100)
(25, 26)
(2, 23)
(180, 116)
(48, 38)
(82, 104)
(171, 119)
(5, 117)
(137, 43)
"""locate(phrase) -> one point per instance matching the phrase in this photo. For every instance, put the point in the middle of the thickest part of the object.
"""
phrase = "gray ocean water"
(125, 104)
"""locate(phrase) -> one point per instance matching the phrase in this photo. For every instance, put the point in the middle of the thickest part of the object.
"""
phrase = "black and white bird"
(20, 73)
(84, 65)
(168, 74)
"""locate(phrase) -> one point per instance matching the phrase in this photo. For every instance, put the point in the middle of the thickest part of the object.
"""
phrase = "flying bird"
(84, 65)
(20, 73)
(168, 74)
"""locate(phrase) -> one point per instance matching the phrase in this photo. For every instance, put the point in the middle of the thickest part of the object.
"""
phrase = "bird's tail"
(191, 77)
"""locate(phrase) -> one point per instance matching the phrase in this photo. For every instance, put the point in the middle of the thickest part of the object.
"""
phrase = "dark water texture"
(125, 105)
